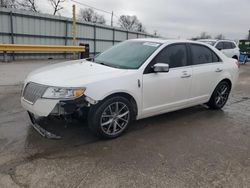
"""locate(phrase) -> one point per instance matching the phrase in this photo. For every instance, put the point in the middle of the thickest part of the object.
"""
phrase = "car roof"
(173, 41)
(167, 41)
(208, 40)
(215, 40)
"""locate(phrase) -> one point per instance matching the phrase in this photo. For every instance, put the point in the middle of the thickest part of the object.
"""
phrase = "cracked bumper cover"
(45, 107)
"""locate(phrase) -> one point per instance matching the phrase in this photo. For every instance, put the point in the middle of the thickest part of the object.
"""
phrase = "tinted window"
(174, 55)
(233, 45)
(201, 54)
(215, 57)
(219, 46)
(227, 45)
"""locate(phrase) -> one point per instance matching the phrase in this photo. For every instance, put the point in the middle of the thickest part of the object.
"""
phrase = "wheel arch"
(226, 80)
(127, 96)
(218, 82)
(211, 102)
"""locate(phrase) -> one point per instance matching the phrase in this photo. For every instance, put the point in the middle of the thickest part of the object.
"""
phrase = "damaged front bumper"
(43, 132)
(46, 107)
(43, 108)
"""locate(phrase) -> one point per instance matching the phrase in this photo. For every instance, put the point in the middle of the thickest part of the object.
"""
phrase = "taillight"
(237, 63)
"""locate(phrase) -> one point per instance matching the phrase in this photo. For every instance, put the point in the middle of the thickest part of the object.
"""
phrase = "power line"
(91, 7)
(98, 9)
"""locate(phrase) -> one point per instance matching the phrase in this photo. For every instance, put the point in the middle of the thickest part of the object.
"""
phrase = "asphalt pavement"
(194, 147)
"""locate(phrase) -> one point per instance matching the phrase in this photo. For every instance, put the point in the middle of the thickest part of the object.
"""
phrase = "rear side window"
(233, 45)
(201, 54)
(174, 55)
(216, 58)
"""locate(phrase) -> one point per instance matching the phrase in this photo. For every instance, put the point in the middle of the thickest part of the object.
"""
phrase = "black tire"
(220, 95)
(100, 112)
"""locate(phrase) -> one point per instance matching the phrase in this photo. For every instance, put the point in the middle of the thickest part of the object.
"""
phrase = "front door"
(163, 92)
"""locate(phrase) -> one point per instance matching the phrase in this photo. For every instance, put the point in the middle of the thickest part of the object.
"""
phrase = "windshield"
(128, 54)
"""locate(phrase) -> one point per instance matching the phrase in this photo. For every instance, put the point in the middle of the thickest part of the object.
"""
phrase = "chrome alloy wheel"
(222, 95)
(115, 118)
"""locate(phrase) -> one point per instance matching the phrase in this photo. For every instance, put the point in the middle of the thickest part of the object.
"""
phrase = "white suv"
(132, 80)
(229, 48)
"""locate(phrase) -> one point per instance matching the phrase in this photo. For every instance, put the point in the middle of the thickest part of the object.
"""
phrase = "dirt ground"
(195, 147)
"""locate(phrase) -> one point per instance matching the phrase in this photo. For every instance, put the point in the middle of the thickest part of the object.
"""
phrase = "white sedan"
(133, 80)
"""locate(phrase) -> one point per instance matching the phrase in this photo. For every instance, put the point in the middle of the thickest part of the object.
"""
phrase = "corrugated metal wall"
(22, 27)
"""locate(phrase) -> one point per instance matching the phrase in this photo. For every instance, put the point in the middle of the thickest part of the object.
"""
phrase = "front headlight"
(63, 93)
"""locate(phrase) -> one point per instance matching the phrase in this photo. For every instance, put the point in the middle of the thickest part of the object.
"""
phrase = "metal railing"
(38, 48)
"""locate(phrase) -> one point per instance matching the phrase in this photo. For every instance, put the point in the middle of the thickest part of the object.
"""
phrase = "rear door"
(207, 68)
(169, 90)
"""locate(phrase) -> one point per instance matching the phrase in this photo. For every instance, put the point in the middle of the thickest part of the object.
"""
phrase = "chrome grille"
(33, 91)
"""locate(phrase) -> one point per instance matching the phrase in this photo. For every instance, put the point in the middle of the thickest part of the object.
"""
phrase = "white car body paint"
(157, 93)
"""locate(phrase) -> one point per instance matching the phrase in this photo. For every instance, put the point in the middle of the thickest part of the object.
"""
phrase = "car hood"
(73, 74)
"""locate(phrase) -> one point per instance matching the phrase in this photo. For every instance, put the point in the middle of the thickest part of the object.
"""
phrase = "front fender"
(127, 84)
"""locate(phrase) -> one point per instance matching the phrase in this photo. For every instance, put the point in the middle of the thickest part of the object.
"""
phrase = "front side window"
(128, 54)
(174, 55)
(201, 54)
(219, 46)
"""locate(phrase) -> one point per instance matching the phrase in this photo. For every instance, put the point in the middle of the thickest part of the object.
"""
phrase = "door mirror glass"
(161, 67)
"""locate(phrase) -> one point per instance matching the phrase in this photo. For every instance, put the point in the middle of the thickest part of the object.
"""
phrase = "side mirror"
(161, 67)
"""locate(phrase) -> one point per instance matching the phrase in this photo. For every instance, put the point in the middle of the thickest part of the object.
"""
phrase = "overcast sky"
(176, 18)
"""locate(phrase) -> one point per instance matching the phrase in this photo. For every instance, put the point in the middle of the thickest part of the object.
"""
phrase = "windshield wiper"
(109, 65)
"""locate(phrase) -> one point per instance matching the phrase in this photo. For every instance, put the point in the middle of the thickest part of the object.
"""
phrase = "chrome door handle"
(185, 75)
(218, 70)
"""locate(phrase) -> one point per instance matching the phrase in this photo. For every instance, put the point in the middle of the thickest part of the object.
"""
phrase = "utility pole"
(112, 19)
(74, 28)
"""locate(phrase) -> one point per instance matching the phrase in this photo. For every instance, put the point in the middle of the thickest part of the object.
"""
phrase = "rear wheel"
(220, 95)
(110, 118)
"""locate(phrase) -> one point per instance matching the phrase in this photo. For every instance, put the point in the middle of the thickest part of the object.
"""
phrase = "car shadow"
(176, 118)
(77, 134)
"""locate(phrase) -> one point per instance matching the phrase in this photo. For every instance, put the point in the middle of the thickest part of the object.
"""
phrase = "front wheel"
(110, 118)
(220, 96)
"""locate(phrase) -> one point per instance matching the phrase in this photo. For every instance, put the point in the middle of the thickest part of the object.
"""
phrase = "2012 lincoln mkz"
(134, 79)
